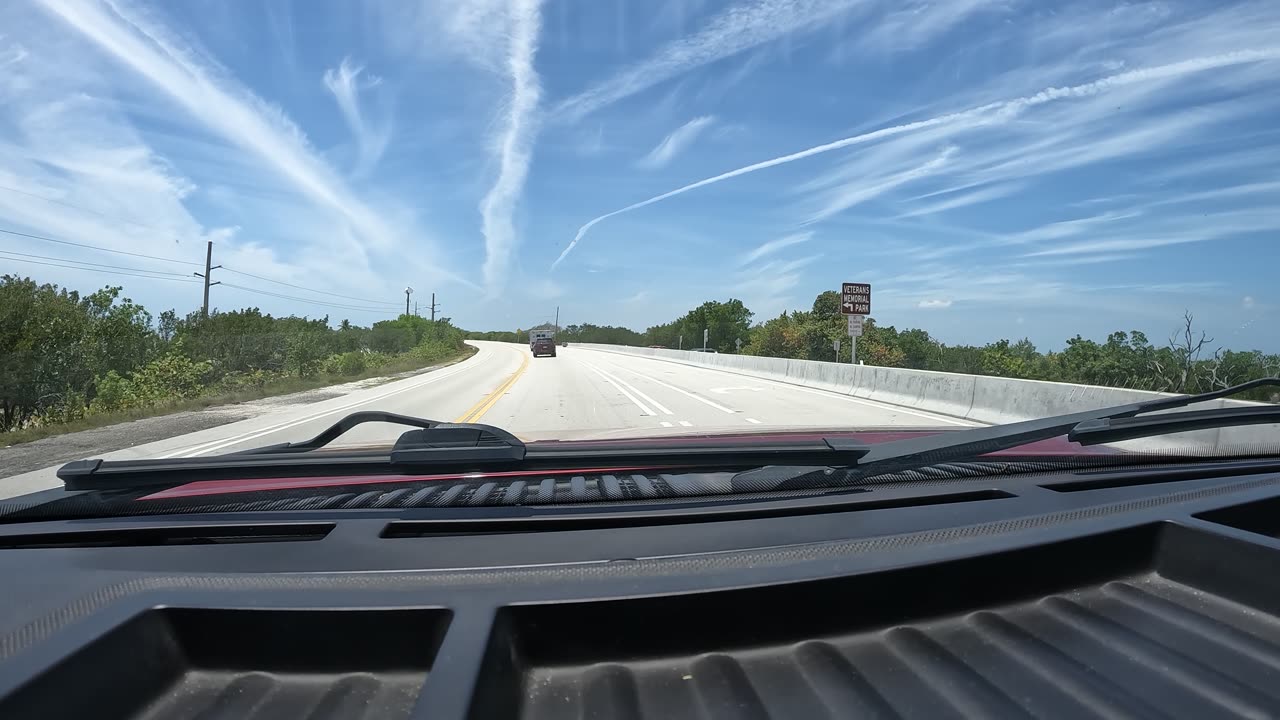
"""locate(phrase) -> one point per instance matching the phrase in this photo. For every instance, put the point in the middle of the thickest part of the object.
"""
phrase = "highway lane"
(581, 393)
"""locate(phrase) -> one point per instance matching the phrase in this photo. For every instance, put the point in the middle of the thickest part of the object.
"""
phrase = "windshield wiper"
(1105, 430)
(1095, 426)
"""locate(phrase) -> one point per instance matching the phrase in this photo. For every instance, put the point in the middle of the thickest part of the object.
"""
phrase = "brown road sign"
(855, 298)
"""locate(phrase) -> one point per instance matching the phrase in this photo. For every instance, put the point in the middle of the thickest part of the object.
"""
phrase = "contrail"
(991, 113)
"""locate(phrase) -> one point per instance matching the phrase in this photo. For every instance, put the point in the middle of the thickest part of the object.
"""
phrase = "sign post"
(705, 334)
(836, 346)
(855, 303)
(738, 343)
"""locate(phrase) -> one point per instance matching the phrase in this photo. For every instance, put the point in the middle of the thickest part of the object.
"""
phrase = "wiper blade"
(1105, 430)
(914, 453)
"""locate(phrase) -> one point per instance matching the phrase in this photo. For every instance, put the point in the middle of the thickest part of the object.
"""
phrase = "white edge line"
(211, 445)
(792, 386)
(619, 388)
(695, 396)
(661, 408)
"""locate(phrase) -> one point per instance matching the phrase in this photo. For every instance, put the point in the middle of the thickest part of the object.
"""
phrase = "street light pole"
(407, 292)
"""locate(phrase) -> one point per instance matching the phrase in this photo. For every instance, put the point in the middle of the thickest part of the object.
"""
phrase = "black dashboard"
(1141, 592)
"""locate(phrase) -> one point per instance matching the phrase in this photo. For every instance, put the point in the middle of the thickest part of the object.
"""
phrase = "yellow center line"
(488, 401)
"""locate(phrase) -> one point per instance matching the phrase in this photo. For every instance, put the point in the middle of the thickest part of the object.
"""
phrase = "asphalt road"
(580, 393)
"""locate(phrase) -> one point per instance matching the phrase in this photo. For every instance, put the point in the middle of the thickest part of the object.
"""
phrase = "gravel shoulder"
(58, 449)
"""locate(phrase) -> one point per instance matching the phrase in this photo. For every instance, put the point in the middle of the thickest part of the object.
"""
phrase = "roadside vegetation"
(1188, 362)
(70, 362)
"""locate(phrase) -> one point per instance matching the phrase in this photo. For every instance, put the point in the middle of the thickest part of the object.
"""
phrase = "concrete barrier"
(979, 398)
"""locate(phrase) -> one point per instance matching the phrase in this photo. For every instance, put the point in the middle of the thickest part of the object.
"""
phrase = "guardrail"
(980, 398)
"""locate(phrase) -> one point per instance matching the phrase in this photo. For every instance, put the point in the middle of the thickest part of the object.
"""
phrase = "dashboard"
(1150, 591)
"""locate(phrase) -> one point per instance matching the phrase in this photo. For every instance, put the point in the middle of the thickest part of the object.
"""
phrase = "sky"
(994, 168)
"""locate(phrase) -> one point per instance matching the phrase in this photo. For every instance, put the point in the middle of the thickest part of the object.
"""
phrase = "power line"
(307, 300)
(175, 277)
(85, 262)
(81, 208)
(300, 287)
(95, 247)
(108, 272)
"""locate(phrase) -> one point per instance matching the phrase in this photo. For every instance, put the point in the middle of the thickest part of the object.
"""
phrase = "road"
(581, 393)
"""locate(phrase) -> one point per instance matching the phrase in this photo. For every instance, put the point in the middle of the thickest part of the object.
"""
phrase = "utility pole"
(407, 292)
(557, 319)
(433, 307)
(208, 268)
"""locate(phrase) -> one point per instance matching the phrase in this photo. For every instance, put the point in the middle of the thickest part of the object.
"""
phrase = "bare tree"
(1178, 374)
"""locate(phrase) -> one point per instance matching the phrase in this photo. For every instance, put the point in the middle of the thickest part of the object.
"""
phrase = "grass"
(283, 386)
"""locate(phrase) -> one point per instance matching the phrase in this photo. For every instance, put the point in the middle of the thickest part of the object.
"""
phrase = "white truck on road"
(535, 334)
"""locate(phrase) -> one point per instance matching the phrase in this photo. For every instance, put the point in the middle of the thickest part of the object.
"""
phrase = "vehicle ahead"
(543, 346)
(705, 350)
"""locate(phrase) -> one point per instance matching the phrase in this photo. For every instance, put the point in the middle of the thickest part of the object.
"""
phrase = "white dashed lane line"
(753, 421)
(686, 423)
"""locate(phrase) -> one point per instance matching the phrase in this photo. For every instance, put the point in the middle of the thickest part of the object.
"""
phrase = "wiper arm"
(334, 431)
(436, 442)
(921, 452)
(1105, 430)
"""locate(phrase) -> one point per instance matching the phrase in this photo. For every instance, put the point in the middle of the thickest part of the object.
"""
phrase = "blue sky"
(995, 168)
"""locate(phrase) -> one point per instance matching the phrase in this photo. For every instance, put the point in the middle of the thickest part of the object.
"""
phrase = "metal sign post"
(855, 303)
(836, 345)
(706, 333)
(738, 343)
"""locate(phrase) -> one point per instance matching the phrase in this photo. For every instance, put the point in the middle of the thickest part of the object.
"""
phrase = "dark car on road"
(544, 346)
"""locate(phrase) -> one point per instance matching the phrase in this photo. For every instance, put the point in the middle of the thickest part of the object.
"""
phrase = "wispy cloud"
(770, 281)
(999, 112)
(735, 29)
(207, 92)
(675, 143)
(917, 22)
(855, 193)
(774, 246)
(345, 83)
(963, 199)
(514, 145)
(934, 304)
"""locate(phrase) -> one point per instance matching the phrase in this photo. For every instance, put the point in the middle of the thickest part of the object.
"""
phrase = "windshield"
(229, 225)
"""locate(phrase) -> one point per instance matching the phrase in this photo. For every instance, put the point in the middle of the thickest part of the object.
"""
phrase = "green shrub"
(304, 354)
(351, 363)
(170, 377)
(113, 393)
(246, 380)
(375, 360)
